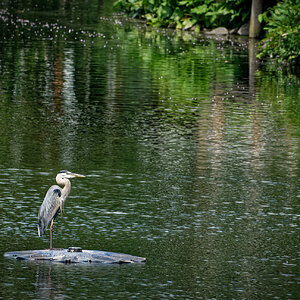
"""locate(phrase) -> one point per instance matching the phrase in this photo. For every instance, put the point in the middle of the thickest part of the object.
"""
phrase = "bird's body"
(49, 209)
(54, 201)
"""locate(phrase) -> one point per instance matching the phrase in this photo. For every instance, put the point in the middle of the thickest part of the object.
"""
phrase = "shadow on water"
(190, 147)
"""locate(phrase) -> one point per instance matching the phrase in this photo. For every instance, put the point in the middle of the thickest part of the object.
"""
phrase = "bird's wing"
(49, 208)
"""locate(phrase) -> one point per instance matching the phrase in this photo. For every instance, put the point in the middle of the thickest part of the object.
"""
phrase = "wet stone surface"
(75, 255)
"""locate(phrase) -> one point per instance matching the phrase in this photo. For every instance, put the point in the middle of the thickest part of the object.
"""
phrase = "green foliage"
(184, 14)
(282, 40)
(282, 22)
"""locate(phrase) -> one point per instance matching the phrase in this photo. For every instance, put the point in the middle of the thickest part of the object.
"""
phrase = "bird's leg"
(51, 234)
(61, 207)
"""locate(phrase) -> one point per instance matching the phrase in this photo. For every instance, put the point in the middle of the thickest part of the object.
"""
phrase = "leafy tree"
(281, 22)
(184, 14)
(282, 25)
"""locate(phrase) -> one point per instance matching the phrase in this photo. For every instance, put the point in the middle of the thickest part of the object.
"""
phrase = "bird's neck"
(66, 189)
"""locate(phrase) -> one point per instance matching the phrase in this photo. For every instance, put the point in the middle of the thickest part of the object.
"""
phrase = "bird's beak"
(77, 175)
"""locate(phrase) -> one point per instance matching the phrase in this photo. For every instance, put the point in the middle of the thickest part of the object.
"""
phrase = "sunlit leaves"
(185, 14)
(282, 40)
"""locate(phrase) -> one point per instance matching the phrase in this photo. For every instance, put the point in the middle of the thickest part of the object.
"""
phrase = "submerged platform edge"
(82, 256)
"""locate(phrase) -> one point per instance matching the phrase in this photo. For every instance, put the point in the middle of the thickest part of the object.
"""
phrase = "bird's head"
(67, 175)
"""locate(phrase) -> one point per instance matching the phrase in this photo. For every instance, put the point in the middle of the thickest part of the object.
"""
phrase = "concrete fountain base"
(75, 255)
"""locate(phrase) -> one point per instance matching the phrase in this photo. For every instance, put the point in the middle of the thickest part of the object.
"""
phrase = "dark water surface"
(190, 147)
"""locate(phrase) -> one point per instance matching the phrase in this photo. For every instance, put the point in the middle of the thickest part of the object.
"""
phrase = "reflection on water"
(56, 280)
(190, 148)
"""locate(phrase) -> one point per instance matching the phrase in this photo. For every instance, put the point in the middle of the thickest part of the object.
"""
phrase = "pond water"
(190, 147)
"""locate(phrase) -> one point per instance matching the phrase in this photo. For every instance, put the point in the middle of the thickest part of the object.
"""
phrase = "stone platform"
(75, 255)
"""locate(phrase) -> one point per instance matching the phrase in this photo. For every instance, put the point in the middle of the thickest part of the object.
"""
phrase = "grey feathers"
(49, 208)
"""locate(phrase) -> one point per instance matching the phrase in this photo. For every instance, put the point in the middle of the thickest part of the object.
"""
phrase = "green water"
(190, 147)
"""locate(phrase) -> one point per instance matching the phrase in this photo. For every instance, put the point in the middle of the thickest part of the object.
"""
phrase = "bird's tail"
(39, 231)
(41, 228)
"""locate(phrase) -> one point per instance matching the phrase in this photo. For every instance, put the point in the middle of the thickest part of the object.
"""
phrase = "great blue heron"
(54, 201)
